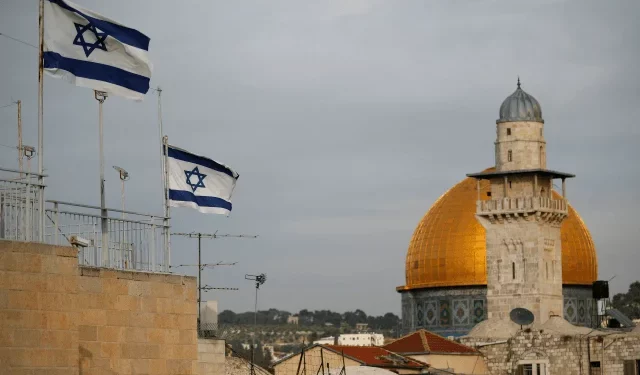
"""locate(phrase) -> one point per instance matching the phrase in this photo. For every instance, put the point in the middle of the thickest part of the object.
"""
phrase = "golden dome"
(448, 248)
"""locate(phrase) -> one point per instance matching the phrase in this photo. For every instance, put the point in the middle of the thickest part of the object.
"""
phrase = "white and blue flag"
(198, 182)
(90, 50)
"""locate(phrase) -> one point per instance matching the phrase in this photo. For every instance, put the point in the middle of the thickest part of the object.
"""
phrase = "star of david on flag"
(90, 50)
(87, 46)
(199, 182)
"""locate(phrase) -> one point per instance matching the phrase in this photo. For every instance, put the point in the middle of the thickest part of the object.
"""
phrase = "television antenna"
(259, 280)
(201, 266)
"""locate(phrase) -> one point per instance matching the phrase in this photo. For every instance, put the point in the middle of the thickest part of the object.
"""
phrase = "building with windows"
(353, 339)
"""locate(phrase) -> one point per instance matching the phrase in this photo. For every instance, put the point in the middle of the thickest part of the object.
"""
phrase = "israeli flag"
(90, 50)
(198, 182)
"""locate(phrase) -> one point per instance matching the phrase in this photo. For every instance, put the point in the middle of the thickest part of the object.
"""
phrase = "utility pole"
(201, 266)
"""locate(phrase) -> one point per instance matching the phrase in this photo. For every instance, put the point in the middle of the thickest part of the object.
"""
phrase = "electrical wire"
(8, 105)
(18, 40)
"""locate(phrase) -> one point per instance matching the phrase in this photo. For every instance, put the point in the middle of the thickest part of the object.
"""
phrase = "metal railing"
(20, 201)
(135, 241)
(521, 204)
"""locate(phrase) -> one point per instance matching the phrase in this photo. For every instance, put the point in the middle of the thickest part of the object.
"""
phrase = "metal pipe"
(19, 102)
(167, 236)
(101, 97)
(18, 171)
(199, 276)
(40, 118)
(98, 208)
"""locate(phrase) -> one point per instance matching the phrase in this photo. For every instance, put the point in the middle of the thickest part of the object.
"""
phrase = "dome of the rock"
(448, 247)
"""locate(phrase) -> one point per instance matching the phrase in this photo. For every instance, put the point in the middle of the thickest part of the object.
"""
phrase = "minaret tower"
(522, 215)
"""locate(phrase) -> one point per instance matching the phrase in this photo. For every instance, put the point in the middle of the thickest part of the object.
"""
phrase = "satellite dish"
(521, 316)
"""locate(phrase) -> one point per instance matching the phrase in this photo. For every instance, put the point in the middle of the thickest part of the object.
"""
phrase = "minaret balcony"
(523, 208)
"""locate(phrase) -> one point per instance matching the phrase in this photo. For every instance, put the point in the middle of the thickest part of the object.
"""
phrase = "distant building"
(361, 339)
(353, 339)
(331, 340)
(293, 319)
(361, 327)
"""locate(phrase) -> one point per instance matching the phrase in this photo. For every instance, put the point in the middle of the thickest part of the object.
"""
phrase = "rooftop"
(423, 341)
(376, 356)
(544, 172)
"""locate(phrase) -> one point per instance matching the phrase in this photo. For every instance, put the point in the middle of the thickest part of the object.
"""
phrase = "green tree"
(227, 317)
(629, 303)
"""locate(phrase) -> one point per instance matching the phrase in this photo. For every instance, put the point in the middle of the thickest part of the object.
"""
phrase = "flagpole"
(40, 120)
(101, 97)
(165, 183)
(167, 236)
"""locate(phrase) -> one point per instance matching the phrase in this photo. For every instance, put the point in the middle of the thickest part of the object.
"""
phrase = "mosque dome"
(448, 247)
(520, 106)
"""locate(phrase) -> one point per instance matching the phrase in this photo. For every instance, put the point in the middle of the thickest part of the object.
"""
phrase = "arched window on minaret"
(509, 156)
(513, 269)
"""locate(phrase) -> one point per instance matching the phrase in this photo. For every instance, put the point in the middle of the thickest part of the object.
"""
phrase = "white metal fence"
(131, 240)
(20, 205)
(135, 240)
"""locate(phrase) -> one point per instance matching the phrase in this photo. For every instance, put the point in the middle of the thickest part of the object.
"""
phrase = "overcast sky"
(346, 119)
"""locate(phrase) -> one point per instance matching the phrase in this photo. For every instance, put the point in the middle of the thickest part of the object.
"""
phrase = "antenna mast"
(201, 266)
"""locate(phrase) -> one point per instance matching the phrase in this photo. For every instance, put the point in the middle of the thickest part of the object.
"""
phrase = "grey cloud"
(346, 120)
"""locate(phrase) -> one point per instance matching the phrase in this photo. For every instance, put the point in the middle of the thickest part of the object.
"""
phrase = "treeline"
(629, 303)
(311, 318)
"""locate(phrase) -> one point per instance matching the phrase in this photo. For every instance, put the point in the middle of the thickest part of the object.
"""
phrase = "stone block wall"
(211, 357)
(58, 318)
(524, 267)
(526, 143)
(563, 354)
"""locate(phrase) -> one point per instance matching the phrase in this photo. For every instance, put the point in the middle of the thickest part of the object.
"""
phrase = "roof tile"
(423, 341)
(377, 356)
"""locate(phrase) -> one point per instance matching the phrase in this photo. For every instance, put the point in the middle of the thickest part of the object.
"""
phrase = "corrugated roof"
(423, 341)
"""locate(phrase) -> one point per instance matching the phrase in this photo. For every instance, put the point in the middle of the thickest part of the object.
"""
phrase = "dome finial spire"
(518, 81)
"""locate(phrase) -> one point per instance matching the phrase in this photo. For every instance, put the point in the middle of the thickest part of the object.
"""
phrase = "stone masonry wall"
(524, 267)
(565, 354)
(58, 318)
(211, 357)
(526, 143)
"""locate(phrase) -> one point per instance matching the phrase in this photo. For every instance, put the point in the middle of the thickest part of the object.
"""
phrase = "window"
(532, 369)
(594, 368)
(509, 184)
(508, 131)
(546, 265)
(509, 156)
(631, 367)
(513, 269)
(488, 193)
